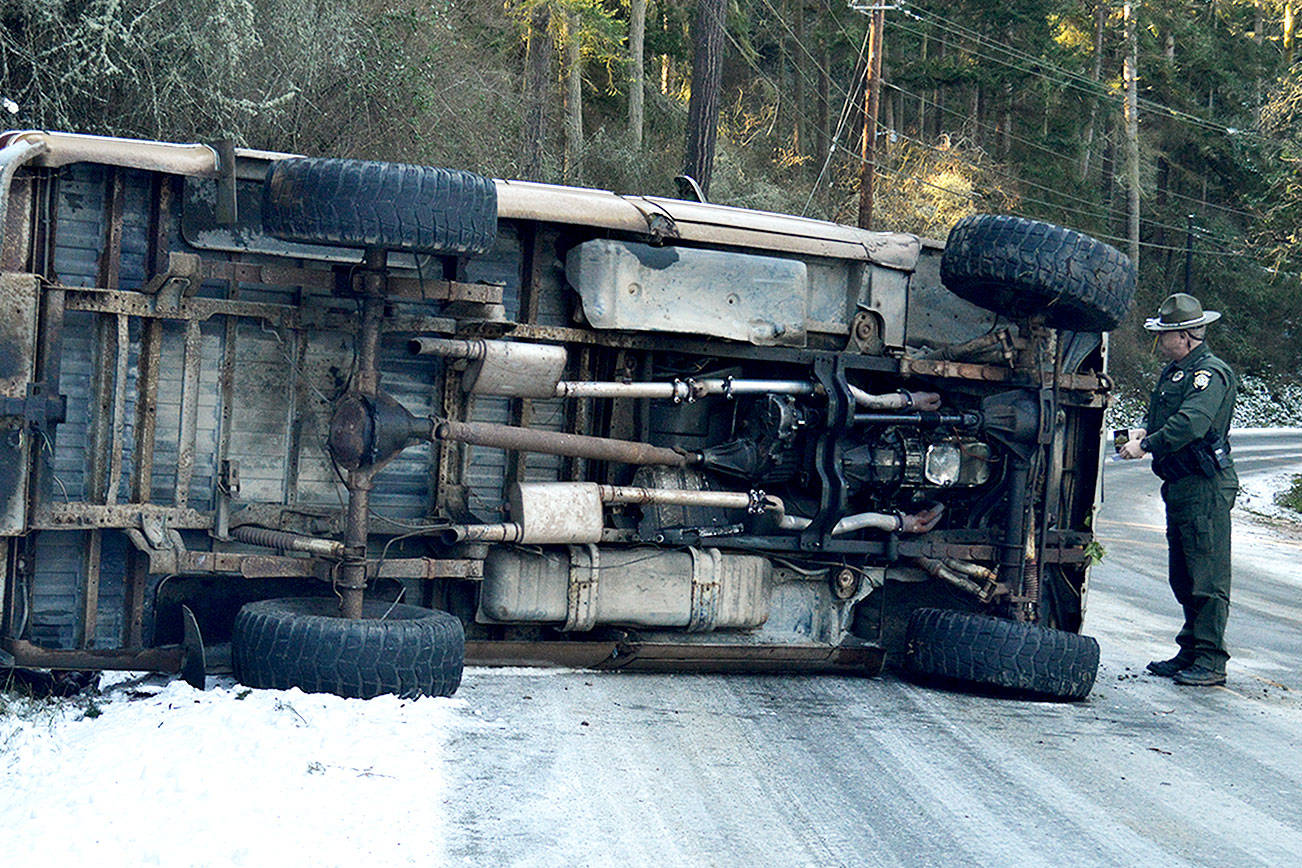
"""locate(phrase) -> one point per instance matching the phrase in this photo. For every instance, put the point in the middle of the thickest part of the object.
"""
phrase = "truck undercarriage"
(394, 414)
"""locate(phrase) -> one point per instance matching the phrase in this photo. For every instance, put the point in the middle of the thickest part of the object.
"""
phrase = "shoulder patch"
(1202, 379)
(1177, 375)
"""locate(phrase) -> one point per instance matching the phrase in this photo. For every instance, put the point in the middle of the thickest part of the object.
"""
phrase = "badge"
(1177, 375)
(1202, 379)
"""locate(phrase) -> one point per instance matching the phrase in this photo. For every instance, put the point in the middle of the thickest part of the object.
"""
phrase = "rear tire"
(973, 650)
(303, 642)
(1018, 267)
(392, 206)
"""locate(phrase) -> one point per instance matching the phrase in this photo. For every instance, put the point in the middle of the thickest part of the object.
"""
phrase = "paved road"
(578, 768)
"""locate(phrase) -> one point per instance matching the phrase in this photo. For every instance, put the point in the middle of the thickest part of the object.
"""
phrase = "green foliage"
(986, 106)
(1291, 497)
(1094, 552)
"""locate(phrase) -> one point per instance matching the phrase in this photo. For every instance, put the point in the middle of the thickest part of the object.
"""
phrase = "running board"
(848, 659)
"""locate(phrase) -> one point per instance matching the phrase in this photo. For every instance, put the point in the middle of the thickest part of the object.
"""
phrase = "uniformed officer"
(1186, 431)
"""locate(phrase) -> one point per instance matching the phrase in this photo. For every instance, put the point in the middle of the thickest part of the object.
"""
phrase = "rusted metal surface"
(956, 370)
(505, 531)
(638, 495)
(189, 413)
(254, 566)
(88, 590)
(448, 473)
(191, 310)
(87, 516)
(7, 588)
(324, 280)
(15, 224)
(105, 471)
(995, 374)
(556, 443)
(19, 296)
(429, 568)
(300, 396)
(167, 659)
(15, 201)
(148, 367)
(246, 565)
(443, 290)
(147, 372)
(122, 347)
(862, 659)
(289, 542)
(1055, 551)
(352, 572)
(574, 655)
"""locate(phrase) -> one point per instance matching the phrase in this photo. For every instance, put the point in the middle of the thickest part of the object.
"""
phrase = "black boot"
(1199, 676)
(1168, 668)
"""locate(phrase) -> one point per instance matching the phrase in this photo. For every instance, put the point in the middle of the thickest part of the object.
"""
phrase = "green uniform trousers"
(1198, 551)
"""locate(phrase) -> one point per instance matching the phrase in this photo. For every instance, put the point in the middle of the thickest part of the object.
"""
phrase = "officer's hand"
(1131, 449)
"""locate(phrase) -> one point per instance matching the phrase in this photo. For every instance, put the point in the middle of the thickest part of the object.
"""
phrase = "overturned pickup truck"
(347, 425)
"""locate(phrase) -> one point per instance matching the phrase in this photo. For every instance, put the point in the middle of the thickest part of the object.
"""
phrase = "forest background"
(986, 106)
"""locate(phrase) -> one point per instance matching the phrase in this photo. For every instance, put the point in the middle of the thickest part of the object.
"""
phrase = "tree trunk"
(637, 69)
(573, 100)
(703, 107)
(1131, 75)
(922, 99)
(537, 85)
(800, 66)
(1290, 33)
(823, 132)
(1100, 16)
(938, 95)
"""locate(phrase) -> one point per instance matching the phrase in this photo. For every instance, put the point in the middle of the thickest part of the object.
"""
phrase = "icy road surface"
(527, 767)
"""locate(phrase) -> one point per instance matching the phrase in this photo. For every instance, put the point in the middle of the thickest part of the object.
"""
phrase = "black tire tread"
(1016, 267)
(975, 649)
(394, 206)
(301, 642)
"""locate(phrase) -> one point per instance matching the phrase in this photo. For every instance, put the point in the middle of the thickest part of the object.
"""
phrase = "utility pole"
(1131, 76)
(872, 100)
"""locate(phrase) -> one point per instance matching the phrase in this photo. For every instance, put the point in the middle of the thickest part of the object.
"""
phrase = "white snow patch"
(1257, 495)
(1260, 403)
(228, 776)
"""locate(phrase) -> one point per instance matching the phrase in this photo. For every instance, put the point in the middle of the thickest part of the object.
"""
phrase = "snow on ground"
(151, 773)
(1257, 495)
(1259, 404)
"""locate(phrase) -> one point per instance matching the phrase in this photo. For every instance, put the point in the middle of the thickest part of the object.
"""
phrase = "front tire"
(1018, 267)
(974, 650)
(303, 642)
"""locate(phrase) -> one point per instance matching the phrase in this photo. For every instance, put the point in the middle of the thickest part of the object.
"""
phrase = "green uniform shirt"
(1193, 396)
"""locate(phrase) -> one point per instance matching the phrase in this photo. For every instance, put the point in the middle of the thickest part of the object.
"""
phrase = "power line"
(1036, 62)
(1065, 76)
(977, 197)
